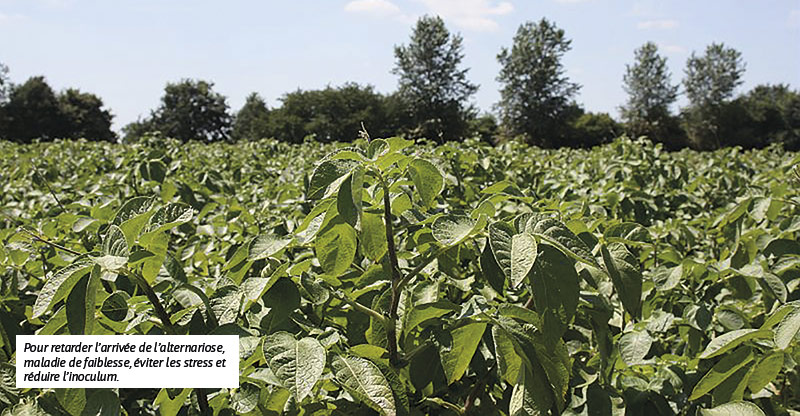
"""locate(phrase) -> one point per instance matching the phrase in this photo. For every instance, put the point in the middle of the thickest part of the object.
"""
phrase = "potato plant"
(394, 278)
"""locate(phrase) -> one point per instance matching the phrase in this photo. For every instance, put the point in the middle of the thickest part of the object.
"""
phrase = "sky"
(126, 51)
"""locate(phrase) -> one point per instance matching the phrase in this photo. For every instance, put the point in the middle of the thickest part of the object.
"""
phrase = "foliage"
(710, 81)
(766, 114)
(433, 87)
(536, 95)
(33, 112)
(592, 129)
(406, 279)
(252, 121)
(650, 95)
(5, 83)
(331, 114)
(189, 110)
(84, 116)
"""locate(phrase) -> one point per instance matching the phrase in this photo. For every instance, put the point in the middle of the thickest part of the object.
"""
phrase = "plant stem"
(359, 307)
(426, 261)
(397, 278)
(154, 300)
(202, 401)
(50, 243)
(48, 186)
(476, 390)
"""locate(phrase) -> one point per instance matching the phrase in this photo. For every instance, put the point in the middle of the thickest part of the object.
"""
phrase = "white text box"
(127, 361)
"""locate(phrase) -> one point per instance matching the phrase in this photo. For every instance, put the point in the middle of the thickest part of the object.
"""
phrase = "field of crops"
(393, 278)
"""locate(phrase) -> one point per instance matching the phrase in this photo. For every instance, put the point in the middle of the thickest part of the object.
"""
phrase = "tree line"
(537, 102)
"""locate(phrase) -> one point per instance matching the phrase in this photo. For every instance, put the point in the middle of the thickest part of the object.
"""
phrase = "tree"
(431, 83)
(332, 114)
(650, 94)
(593, 129)
(536, 94)
(84, 117)
(710, 82)
(766, 114)
(5, 86)
(5, 83)
(252, 121)
(191, 110)
(32, 112)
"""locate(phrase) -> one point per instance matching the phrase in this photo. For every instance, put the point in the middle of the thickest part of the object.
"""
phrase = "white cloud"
(794, 18)
(8, 18)
(381, 8)
(658, 24)
(475, 15)
(571, 1)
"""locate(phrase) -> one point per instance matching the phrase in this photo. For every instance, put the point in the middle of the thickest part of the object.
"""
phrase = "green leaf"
(509, 362)
(627, 232)
(722, 370)
(115, 306)
(428, 181)
(456, 348)
(625, 275)
(774, 286)
(556, 289)
(765, 371)
(297, 364)
(282, 299)
(156, 245)
(737, 408)
(787, 329)
(634, 346)
(226, 304)
(523, 255)
(335, 248)
(72, 400)
(669, 279)
(420, 313)
(451, 230)
(102, 402)
(153, 170)
(373, 236)
(62, 282)
(133, 208)
(245, 398)
(114, 243)
(377, 148)
(530, 396)
(170, 406)
(733, 387)
(266, 245)
(557, 233)
(348, 199)
(317, 293)
(169, 216)
(500, 237)
(491, 270)
(730, 340)
(365, 382)
(327, 177)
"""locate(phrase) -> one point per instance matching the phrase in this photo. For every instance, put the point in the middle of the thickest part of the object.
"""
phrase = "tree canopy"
(432, 83)
(650, 95)
(536, 93)
(710, 81)
(189, 110)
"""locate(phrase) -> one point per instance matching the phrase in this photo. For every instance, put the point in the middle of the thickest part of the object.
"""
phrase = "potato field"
(387, 277)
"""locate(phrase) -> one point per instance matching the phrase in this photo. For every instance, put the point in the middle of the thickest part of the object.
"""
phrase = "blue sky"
(126, 51)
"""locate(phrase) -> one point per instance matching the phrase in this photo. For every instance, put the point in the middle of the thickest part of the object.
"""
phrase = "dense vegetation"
(457, 279)
(433, 100)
